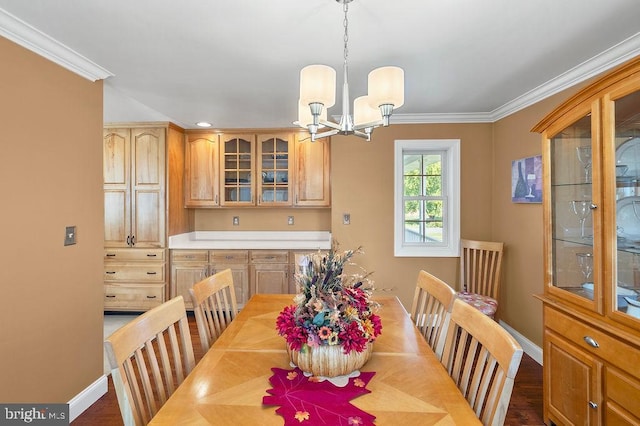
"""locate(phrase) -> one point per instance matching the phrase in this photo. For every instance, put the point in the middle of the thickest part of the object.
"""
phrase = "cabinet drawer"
(623, 390)
(133, 296)
(229, 256)
(610, 349)
(190, 256)
(143, 273)
(269, 256)
(128, 254)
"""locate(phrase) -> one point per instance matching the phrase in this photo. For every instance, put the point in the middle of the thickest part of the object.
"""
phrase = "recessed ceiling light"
(203, 124)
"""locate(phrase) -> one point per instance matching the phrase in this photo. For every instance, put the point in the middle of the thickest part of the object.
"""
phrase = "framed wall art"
(526, 180)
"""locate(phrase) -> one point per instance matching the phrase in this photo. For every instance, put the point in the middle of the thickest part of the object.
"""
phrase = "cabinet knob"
(593, 405)
(593, 206)
(591, 341)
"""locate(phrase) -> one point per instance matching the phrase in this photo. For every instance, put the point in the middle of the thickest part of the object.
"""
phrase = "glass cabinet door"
(274, 169)
(626, 112)
(571, 207)
(237, 161)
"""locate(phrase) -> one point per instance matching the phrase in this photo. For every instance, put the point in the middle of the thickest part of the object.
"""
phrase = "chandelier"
(318, 92)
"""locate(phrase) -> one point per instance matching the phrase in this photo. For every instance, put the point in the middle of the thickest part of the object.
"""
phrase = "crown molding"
(615, 55)
(424, 118)
(35, 40)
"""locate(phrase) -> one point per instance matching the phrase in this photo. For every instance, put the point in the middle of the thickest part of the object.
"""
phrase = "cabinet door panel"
(240, 280)
(117, 218)
(201, 171)
(183, 277)
(571, 383)
(270, 278)
(312, 183)
(148, 219)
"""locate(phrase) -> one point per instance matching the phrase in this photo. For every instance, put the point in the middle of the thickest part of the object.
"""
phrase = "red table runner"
(308, 401)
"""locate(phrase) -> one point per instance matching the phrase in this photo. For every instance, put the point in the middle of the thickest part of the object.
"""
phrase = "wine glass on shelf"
(581, 208)
(585, 263)
(584, 157)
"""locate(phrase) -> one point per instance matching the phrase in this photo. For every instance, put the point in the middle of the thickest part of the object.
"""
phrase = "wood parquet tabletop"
(226, 387)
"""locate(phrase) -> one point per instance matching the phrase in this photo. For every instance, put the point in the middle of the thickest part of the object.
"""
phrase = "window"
(427, 198)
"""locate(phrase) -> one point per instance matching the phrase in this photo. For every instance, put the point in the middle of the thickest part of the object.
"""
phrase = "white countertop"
(285, 240)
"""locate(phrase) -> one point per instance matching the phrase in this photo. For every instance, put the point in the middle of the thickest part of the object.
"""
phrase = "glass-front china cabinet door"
(573, 178)
(625, 112)
(274, 169)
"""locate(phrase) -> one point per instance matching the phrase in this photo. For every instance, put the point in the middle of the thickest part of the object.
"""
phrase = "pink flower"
(352, 338)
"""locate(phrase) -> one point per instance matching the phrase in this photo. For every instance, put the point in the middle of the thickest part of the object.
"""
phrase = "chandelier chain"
(345, 8)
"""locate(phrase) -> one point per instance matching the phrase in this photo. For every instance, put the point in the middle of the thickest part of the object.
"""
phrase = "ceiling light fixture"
(318, 92)
(204, 124)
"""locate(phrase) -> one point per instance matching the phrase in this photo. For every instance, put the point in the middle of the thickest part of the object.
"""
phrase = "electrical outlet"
(236, 220)
(290, 220)
(346, 218)
(70, 235)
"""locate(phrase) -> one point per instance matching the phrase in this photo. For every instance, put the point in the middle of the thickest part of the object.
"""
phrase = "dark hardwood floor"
(525, 408)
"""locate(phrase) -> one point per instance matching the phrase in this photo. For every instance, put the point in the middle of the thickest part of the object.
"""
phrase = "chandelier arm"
(330, 124)
(316, 136)
(372, 125)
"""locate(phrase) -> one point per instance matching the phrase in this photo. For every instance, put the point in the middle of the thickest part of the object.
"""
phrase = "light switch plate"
(290, 220)
(346, 219)
(236, 220)
(70, 235)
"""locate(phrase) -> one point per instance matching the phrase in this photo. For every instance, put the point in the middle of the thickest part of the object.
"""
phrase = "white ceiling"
(236, 63)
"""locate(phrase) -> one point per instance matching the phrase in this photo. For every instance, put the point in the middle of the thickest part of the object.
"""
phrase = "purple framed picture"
(526, 180)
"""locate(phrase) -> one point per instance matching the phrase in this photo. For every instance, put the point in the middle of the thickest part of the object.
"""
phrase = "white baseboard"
(87, 397)
(528, 346)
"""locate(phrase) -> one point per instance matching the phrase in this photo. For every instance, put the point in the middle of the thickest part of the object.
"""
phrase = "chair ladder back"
(214, 306)
(480, 265)
(482, 359)
(147, 370)
(430, 309)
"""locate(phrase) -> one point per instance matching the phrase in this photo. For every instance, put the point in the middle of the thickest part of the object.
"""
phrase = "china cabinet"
(591, 208)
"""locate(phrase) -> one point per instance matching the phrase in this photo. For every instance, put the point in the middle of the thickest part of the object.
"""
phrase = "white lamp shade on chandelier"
(386, 87)
(318, 85)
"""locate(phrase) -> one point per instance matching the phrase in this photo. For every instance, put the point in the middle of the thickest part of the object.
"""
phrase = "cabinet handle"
(110, 295)
(133, 240)
(151, 297)
(151, 255)
(591, 341)
(151, 273)
(110, 272)
(111, 255)
(128, 240)
(593, 405)
(593, 206)
(216, 201)
(270, 257)
(228, 257)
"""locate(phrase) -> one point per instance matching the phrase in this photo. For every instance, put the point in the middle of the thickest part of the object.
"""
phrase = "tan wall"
(362, 185)
(50, 177)
(272, 219)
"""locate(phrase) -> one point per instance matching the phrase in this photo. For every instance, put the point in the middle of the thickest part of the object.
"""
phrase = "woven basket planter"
(329, 361)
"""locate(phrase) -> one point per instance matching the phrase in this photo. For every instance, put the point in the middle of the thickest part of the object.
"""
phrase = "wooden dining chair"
(149, 357)
(480, 273)
(214, 306)
(432, 302)
(482, 358)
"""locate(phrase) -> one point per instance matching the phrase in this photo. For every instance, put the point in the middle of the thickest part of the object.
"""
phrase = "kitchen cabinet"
(134, 187)
(202, 170)
(191, 266)
(591, 211)
(275, 162)
(238, 170)
(270, 271)
(312, 185)
(134, 279)
(143, 167)
(278, 169)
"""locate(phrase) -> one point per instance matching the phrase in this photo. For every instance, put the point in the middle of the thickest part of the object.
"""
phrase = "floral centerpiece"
(332, 325)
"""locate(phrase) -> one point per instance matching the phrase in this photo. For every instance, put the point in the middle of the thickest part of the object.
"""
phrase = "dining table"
(227, 386)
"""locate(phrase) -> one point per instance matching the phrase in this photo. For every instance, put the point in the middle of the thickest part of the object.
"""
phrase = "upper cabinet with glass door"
(275, 160)
(591, 156)
(238, 170)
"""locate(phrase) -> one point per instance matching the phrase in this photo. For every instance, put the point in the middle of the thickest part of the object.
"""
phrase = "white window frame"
(450, 247)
